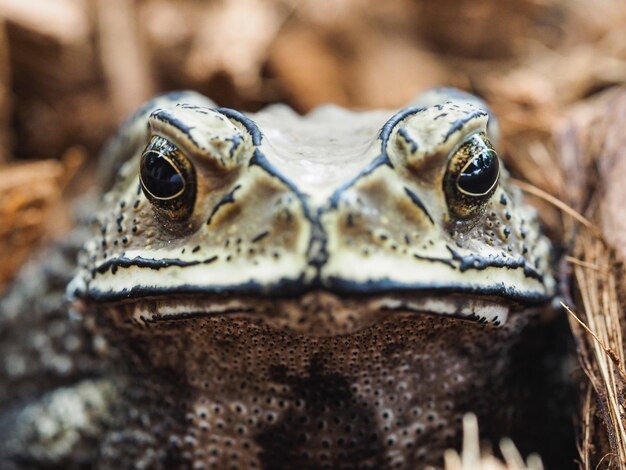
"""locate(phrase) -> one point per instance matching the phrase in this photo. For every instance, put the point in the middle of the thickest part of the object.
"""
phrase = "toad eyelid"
(465, 139)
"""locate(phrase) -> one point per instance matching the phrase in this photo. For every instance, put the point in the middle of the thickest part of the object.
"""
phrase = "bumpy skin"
(236, 393)
(180, 360)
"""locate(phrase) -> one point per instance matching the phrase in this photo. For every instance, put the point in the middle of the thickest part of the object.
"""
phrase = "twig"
(540, 193)
(585, 264)
(609, 352)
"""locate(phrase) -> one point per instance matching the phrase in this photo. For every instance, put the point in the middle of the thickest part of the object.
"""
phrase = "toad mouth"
(313, 312)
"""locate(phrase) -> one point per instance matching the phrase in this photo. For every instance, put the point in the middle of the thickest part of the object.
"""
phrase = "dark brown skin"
(239, 393)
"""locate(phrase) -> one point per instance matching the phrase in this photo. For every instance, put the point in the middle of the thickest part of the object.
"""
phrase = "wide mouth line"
(152, 310)
(197, 315)
(296, 289)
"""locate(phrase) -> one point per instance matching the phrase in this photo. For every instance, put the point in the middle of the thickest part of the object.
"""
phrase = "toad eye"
(472, 176)
(167, 179)
(160, 177)
(480, 174)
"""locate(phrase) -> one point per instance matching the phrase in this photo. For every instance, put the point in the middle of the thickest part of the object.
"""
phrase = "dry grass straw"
(471, 457)
(577, 165)
(598, 329)
(589, 147)
(596, 309)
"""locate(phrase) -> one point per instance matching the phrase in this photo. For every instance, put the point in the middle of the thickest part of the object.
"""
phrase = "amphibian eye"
(160, 177)
(480, 174)
(168, 179)
(472, 176)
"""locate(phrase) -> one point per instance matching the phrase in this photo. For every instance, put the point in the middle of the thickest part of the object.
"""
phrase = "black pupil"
(159, 176)
(480, 175)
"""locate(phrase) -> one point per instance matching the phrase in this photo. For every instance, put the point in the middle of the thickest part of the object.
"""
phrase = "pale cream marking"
(491, 311)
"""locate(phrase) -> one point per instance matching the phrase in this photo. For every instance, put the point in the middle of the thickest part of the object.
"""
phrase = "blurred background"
(71, 70)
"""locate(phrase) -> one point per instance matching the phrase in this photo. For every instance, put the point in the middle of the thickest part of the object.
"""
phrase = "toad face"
(214, 211)
(295, 290)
